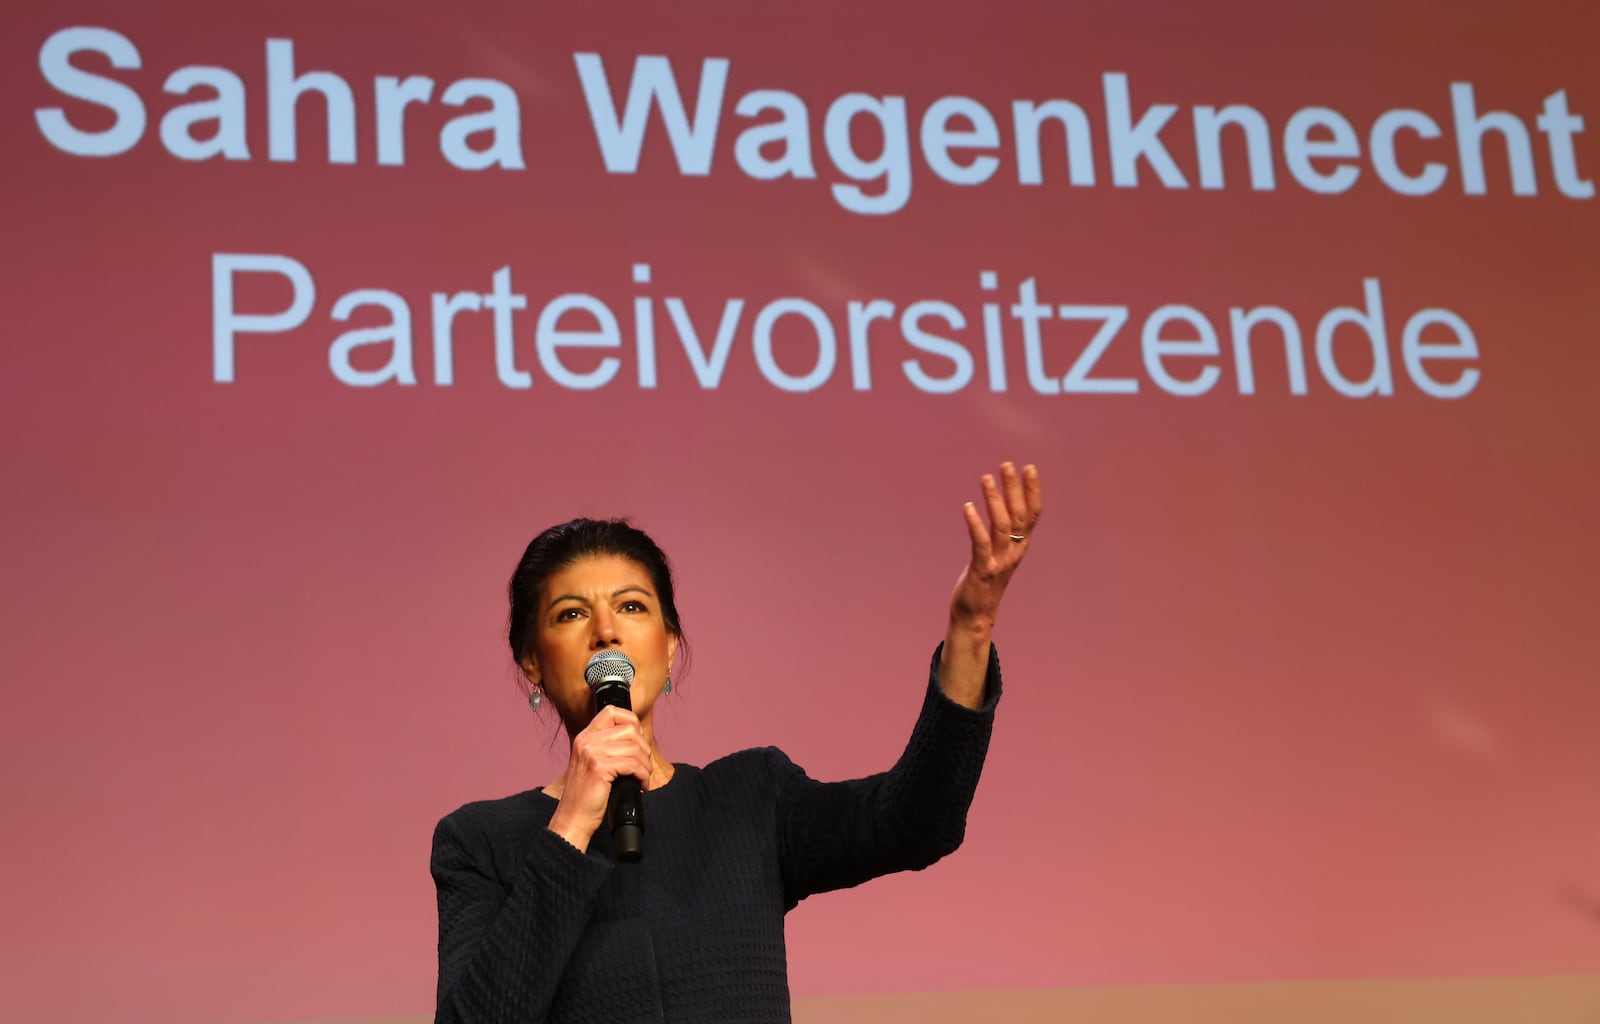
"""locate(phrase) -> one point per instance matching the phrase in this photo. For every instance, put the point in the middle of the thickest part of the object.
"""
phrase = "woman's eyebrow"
(632, 587)
(635, 588)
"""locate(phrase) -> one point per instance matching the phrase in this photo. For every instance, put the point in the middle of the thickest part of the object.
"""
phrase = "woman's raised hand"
(1013, 504)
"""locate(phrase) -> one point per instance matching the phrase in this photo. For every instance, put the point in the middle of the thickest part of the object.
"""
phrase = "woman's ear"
(672, 651)
(530, 668)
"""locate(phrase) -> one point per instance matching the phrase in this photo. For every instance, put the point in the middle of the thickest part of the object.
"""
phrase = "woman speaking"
(543, 916)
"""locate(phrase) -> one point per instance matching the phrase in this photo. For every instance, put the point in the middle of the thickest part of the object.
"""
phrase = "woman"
(538, 921)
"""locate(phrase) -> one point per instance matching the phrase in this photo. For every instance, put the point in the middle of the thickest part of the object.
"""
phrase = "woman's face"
(597, 603)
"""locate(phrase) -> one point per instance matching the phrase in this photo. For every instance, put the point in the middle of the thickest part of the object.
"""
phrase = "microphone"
(609, 675)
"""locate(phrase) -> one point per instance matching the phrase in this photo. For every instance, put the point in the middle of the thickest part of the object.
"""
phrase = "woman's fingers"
(982, 548)
(1016, 503)
(611, 715)
(999, 516)
(612, 745)
(1013, 501)
(1032, 495)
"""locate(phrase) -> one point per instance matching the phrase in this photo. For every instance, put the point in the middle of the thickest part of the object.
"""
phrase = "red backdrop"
(1300, 686)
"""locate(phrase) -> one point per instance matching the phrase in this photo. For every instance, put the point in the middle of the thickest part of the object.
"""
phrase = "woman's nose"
(605, 628)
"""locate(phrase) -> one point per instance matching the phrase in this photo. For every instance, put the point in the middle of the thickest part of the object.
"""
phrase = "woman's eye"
(566, 614)
(632, 606)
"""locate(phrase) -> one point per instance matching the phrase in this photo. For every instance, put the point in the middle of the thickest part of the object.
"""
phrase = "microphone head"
(608, 666)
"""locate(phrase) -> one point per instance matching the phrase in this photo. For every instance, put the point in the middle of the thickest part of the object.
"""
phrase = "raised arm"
(1014, 504)
(837, 834)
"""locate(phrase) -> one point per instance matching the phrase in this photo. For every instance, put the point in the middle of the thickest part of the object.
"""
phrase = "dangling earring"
(668, 687)
(535, 697)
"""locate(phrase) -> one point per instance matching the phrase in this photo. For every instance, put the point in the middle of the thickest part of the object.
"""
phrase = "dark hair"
(559, 547)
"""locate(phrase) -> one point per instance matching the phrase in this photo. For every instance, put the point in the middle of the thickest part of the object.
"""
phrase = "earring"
(535, 697)
(668, 687)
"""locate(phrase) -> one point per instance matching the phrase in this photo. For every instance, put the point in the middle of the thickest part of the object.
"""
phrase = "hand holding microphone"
(610, 759)
(609, 675)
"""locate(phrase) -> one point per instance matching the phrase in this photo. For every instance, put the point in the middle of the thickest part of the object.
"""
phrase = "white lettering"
(1030, 313)
(1242, 322)
(1208, 125)
(227, 323)
(1559, 126)
(621, 138)
(1131, 142)
(392, 96)
(1156, 348)
(1077, 379)
(397, 332)
(502, 302)
(994, 343)
(1381, 142)
(708, 369)
(502, 121)
(792, 130)
(227, 110)
(55, 63)
(935, 344)
(893, 165)
(1299, 149)
(1026, 120)
(938, 139)
(860, 317)
(1370, 322)
(1414, 352)
(445, 308)
(1470, 130)
(827, 347)
(549, 339)
(283, 96)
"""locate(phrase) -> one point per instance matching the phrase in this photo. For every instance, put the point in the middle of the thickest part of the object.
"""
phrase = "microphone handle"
(625, 809)
(626, 812)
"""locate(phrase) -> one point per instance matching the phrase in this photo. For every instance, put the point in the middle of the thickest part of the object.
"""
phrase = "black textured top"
(532, 929)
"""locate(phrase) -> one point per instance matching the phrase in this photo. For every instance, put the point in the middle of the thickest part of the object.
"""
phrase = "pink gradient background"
(1298, 688)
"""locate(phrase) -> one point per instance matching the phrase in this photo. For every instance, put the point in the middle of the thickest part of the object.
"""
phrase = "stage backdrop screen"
(315, 313)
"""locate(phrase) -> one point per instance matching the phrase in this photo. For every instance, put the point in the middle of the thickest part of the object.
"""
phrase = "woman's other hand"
(1014, 504)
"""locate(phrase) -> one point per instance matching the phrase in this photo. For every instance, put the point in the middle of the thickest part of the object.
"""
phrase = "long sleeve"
(533, 930)
(832, 835)
(504, 945)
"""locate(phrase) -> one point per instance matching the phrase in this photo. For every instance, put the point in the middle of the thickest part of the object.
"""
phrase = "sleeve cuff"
(991, 685)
